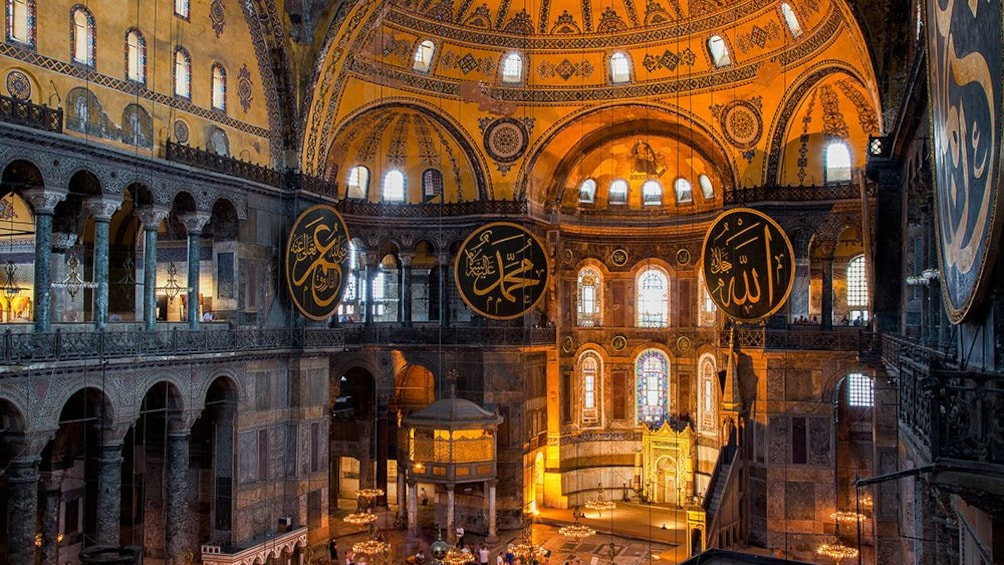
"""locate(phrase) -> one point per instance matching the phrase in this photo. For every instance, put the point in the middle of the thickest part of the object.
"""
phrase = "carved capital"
(44, 200)
(151, 216)
(62, 242)
(102, 208)
(28, 446)
(194, 221)
(406, 258)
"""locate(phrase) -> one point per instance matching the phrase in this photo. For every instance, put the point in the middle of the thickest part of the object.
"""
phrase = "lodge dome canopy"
(452, 413)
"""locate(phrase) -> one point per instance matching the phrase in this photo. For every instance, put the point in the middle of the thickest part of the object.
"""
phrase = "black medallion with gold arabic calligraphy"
(964, 63)
(501, 271)
(315, 256)
(748, 263)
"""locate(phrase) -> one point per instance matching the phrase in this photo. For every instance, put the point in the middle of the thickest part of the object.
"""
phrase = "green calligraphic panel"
(748, 264)
(501, 271)
(316, 252)
(964, 64)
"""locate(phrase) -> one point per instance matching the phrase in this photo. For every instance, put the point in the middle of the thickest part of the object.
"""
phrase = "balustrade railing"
(797, 193)
(837, 339)
(480, 207)
(26, 113)
(37, 347)
(202, 159)
(454, 335)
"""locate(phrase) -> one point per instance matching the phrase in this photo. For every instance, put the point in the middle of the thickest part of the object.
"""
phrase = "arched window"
(857, 290)
(135, 56)
(21, 21)
(684, 192)
(423, 56)
(219, 87)
(618, 192)
(653, 299)
(620, 68)
(707, 404)
(182, 73)
(791, 19)
(393, 187)
(652, 380)
(82, 36)
(512, 68)
(348, 308)
(707, 189)
(181, 8)
(587, 191)
(838, 162)
(590, 292)
(719, 51)
(432, 184)
(651, 193)
(708, 309)
(358, 183)
(591, 377)
(859, 391)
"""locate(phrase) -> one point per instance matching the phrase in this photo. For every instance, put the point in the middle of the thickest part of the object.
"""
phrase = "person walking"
(333, 551)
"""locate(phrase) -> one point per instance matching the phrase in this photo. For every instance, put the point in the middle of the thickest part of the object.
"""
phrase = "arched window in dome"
(857, 289)
(652, 302)
(432, 184)
(791, 19)
(590, 382)
(358, 183)
(652, 383)
(219, 87)
(838, 162)
(618, 192)
(83, 36)
(684, 192)
(707, 404)
(135, 56)
(620, 68)
(707, 189)
(589, 298)
(181, 8)
(182, 73)
(423, 56)
(393, 187)
(512, 68)
(719, 51)
(587, 191)
(21, 21)
(651, 193)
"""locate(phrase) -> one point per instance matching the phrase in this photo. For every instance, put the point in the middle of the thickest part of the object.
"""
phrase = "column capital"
(406, 258)
(43, 200)
(444, 259)
(151, 216)
(62, 241)
(102, 207)
(28, 445)
(194, 221)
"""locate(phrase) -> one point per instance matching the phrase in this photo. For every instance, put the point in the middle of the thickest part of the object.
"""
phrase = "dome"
(452, 413)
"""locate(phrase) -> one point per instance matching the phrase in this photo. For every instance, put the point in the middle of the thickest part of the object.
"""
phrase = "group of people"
(482, 553)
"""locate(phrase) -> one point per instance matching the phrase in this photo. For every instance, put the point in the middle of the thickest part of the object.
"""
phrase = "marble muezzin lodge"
(600, 281)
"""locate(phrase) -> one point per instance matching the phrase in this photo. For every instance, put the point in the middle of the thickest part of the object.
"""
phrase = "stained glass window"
(652, 379)
(589, 297)
(590, 372)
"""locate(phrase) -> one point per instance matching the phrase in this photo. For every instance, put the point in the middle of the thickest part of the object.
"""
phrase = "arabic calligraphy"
(748, 264)
(501, 271)
(965, 74)
(315, 252)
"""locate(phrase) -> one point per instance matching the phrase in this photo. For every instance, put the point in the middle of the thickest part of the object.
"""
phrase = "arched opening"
(212, 454)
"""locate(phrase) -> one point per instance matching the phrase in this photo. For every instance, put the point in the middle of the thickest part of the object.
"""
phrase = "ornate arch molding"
(452, 127)
(794, 96)
(653, 119)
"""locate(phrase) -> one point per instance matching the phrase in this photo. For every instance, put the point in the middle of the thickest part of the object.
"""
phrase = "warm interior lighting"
(837, 551)
(576, 530)
(456, 557)
(369, 492)
(600, 504)
(371, 547)
(360, 518)
(847, 517)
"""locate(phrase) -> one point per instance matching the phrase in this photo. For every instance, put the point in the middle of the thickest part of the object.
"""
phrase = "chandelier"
(837, 551)
(369, 492)
(72, 281)
(360, 518)
(577, 531)
(847, 517)
(171, 288)
(9, 282)
(371, 547)
(599, 503)
(455, 556)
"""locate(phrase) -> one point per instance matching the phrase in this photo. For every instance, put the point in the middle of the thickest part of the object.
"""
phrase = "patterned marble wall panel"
(779, 440)
(247, 456)
(800, 501)
(819, 441)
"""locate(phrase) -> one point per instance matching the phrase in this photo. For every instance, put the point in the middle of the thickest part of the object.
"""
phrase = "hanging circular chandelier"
(369, 492)
(847, 517)
(455, 556)
(371, 547)
(576, 530)
(360, 518)
(837, 551)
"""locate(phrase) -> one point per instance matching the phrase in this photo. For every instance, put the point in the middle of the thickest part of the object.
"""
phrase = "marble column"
(22, 507)
(444, 295)
(177, 512)
(49, 516)
(151, 217)
(43, 202)
(826, 316)
(372, 265)
(412, 508)
(405, 288)
(109, 499)
(493, 535)
(450, 514)
(101, 210)
(64, 307)
(194, 222)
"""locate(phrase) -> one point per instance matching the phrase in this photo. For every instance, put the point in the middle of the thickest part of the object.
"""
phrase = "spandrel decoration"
(748, 263)
(965, 67)
(316, 252)
(501, 271)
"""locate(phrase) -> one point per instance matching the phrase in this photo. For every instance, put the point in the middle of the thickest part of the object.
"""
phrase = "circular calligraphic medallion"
(748, 264)
(501, 271)
(683, 257)
(568, 256)
(967, 123)
(619, 342)
(316, 252)
(506, 139)
(180, 131)
(567, 344)
(683, 343)
(619, 257)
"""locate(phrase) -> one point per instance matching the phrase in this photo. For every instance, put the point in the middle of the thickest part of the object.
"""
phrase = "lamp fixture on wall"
(72, 282)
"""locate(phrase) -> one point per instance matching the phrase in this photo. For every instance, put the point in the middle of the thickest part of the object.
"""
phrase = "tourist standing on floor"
(460, 537)
(483, 554)
(333, 551)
